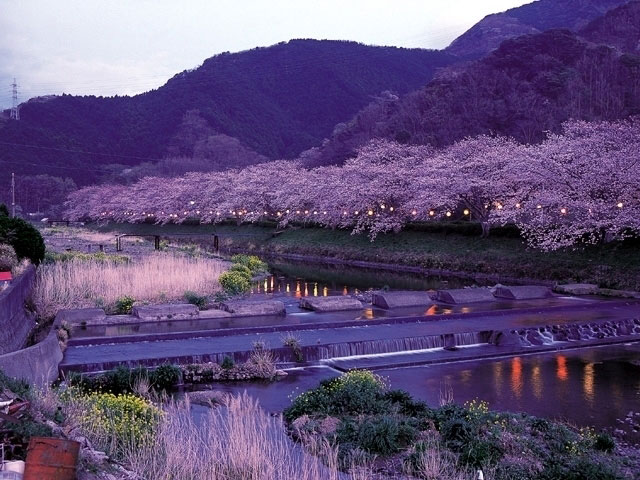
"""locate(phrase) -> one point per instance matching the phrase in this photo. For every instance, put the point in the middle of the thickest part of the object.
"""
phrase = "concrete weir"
(524, 292)
(401, 299)
(486, 333)
(464, 295)
(330, 304)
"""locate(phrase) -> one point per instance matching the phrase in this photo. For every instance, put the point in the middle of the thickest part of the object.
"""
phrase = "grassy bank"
(614, 265)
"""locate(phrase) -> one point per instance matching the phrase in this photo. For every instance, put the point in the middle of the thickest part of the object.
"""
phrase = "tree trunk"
(486, 227)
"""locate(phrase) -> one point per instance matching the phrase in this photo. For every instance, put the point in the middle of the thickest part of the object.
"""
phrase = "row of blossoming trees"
(582, 185)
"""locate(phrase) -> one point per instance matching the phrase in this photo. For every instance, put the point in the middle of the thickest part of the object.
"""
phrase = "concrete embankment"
(15, 322)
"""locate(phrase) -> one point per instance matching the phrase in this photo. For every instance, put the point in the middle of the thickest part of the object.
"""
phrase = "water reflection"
(563, 385)
(561, 368)
(587, 383)
(516, 376)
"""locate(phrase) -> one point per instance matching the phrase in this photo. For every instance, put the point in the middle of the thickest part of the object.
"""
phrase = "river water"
(595, 386)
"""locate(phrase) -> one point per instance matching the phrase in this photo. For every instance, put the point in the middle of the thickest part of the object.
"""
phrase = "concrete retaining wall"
(15, 322)
(37, 364)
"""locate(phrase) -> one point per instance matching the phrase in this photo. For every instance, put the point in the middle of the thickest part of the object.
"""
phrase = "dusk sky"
(102, 47)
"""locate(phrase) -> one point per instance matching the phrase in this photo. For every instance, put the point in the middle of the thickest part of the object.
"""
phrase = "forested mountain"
(277, 101)
(529, 85)
(536, 17)
(620, 28)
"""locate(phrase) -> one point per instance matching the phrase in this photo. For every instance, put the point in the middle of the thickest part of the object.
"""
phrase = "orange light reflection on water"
(516, 376)
(561, 368)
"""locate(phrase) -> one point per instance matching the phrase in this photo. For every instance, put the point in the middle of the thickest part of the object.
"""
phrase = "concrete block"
(169, 311)
(330, 304)
(465, 295)
(80, 316)
(401, 299)
(214, 313)
(525, 292)
(254, 308)
(577, 289)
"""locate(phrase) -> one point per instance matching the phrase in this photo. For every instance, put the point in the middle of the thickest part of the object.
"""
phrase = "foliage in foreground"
(359, 414)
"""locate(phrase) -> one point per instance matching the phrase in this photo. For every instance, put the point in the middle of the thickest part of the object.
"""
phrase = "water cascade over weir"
(374, 347)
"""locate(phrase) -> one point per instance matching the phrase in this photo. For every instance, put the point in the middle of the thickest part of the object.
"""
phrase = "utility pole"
(13, 195)
(15, 113)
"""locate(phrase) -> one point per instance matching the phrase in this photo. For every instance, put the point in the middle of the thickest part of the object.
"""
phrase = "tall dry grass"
(154, 278)
(239, 441)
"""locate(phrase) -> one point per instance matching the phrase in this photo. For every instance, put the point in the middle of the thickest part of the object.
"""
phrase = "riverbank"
(616, 265)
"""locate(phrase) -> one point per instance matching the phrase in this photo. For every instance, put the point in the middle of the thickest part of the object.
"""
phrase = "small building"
(5, 279)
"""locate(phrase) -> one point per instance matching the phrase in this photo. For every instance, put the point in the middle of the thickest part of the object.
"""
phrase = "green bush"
(243, 269)
(234, 283)
(17, 386)
(200, 301)
(384, 435)
(227, 363)
(8, 258)
(604, 442)
(101, 257)
(124, 305)
(165, 377)
(355, 392)
(123, 420)
(253, 263)
(23, 237)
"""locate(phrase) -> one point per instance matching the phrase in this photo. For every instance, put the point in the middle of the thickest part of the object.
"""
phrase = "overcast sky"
(108, 47)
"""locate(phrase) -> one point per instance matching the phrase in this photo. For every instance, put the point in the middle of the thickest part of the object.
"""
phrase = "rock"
(577, 289)
(465, 295)
(82, 316)
(254, 308)
(207, 397)
(401, 299)
(525, 292)
(330, 304)
(169, 311)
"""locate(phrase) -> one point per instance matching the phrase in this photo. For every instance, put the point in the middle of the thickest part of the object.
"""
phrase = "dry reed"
(154, 278)
(239, 441)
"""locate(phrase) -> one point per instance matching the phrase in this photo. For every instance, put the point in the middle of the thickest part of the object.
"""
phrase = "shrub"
(355, 392)
(165, 377)
(118, 422)
(23, 237)
(194, 298)
(17, 386)
(99, 257)
(234, 283)
(227, 363)
(8, 258)
(124, 305)
(253, 263)
(243, 269)
(604, 442)
(384, 435)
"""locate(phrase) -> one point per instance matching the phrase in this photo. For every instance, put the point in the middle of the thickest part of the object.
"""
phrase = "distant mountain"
(620, 28)
(277, 101)
(529, 85)
(486, 35)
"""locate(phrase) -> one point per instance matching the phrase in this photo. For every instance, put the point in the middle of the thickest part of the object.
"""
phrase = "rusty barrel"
(51, 459)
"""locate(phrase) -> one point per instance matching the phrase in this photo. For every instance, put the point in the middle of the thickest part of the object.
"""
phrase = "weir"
(445, 342)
